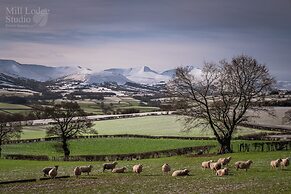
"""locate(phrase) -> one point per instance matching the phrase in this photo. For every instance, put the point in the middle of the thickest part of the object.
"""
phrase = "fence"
(265, 146)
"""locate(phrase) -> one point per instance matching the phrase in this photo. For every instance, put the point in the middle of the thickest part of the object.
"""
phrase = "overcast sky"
(162, 34)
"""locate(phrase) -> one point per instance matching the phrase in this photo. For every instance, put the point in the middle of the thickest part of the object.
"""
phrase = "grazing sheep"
(53, 172)
(119, 170)
(224, 161)
(275, 163)
(215, 166)
(206, 164)
(109, 166)
(243, 164)
(137, 168)
(166, 168)
(77, 171)
(47, 169)
(222, 172)
(184, 172)
(285, 162)
(86, 169)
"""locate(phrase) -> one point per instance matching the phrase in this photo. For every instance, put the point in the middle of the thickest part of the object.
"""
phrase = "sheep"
(119, 170)
(109, 166)
(86, 169)
(166, 168)
(137, 168)
(275, 163)
(222, 172)
(224, 161)
(47, 169)
(53, 172)
(243, 164)
(215, 166)
(206, 164)
(285, 162)
(77, 171)
(184, 172)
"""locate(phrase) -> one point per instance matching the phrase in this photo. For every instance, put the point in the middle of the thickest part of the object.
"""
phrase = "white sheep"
(47, 169)
(119, 170)
(206, 164)
(224, 161)
(184, 172)
(86, 169)
(166, 168)
(109, 166)
(77, 171)
(215, 166)
(275, 163)
(222, 172)
(243, 164)
(137, 168)
(285, 162)
(53, 172)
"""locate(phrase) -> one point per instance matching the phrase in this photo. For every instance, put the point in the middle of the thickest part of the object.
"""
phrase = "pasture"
(167, 125)
(13, 108)
(259, 179)
(101, 146)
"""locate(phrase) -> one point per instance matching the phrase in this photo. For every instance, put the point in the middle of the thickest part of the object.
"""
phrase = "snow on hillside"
(141, 75)
(36, 72)
(106, 76)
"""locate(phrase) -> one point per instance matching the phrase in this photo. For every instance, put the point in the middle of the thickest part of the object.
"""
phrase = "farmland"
(102, 146)
(168, 125)
(259, 179)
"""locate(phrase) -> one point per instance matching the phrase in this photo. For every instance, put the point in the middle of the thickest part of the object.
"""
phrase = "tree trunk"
(0, 149)
(66, 149)
(225, 145)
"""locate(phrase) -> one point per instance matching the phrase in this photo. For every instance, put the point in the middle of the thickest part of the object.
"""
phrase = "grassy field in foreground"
(259, 179)
(102, 146)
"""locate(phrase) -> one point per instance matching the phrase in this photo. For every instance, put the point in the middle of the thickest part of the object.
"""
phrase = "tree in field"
(69, 120)
(221, 95)
(10, 127)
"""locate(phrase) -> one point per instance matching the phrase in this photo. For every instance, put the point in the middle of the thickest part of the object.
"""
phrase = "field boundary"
(114, 157)
(106, 136)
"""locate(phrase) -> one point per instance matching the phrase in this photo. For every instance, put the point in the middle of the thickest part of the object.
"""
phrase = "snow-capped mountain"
(35, 72)
(170, 73)
(106, 76)
(284, 85)
(141, 75)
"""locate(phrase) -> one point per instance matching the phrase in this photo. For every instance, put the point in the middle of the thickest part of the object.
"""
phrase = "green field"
(7, 106)
(259, 179)
(167, 125)
(102, 146)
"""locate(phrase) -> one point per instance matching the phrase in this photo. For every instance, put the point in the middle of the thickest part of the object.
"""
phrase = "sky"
(162, 34)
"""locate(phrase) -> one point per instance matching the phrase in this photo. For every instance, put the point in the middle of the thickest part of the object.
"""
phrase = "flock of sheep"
(219, 167)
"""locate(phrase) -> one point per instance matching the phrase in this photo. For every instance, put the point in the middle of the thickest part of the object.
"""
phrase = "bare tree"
(220, 96)
(69, 121)
(10, 127)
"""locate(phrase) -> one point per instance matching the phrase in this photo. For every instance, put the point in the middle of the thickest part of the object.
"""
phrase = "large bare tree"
(10, 127)
(220, 95)
(69, 121)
